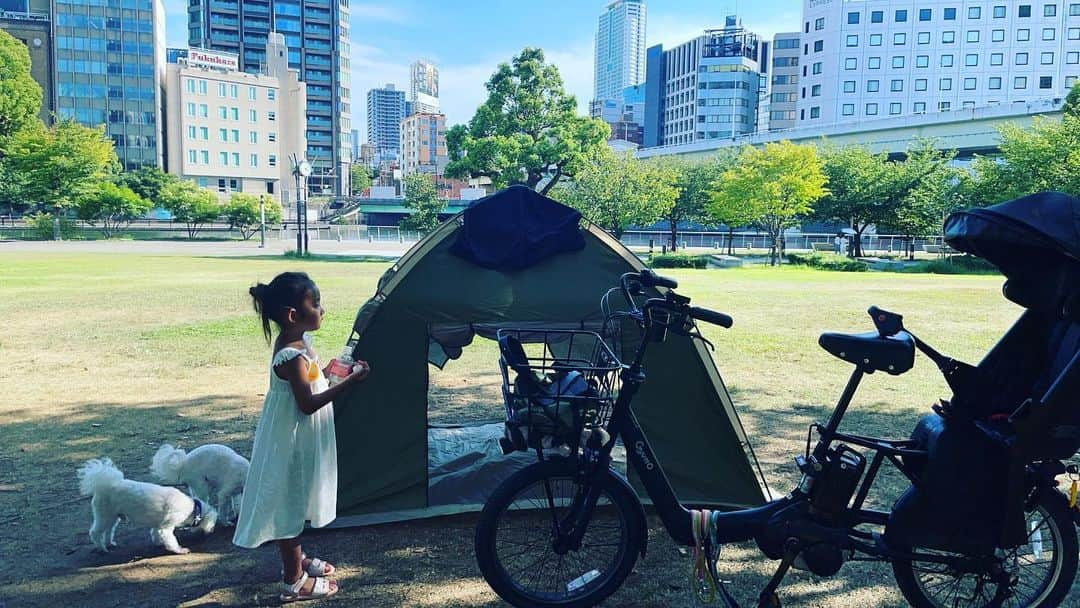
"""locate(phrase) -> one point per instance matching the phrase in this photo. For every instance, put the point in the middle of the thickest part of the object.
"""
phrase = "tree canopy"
(20, 95)
(359, 178)
(1042, 156)
(422, 197)
(113, 207)
(778, 183)
(1072, 101)
(243, 213)
(527, 131)
(146, 181)
(191, 204)
(617, 191)
(695, 180)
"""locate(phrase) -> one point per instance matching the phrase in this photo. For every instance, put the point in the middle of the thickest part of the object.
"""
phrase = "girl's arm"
(295, 371)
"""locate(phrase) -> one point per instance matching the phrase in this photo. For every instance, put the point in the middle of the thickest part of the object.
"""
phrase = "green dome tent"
(438, 296)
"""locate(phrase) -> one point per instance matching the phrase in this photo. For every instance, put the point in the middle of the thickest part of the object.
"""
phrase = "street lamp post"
(301, 170)
(262, 221)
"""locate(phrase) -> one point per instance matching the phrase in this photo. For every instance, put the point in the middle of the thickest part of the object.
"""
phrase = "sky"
(468, 39)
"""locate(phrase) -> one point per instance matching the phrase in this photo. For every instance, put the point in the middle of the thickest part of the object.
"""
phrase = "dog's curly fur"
(160, 508)
(213, 473)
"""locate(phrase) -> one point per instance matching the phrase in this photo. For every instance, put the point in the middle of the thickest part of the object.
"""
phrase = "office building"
(110, 69)
(707, 88)
(317, 36)
(385, 109)
(354, 145)
(784, 81)
(866, 60)
(423, 88)
(423, 144)
(29, 22)
(231, 131)
(625, 116)
(620, 49)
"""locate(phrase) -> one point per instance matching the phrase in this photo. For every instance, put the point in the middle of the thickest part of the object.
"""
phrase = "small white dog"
(160, 508)
(213, 473)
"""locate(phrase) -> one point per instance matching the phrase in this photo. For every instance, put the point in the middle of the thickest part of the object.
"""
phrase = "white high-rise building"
(424, 87)
(620, 49)
(862, 60)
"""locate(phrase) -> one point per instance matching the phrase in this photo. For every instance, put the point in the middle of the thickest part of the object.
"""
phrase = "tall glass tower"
(110, 69)
(620, 49)
(317, 36)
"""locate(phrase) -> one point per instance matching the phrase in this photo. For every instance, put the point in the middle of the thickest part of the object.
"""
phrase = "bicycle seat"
(894, 355)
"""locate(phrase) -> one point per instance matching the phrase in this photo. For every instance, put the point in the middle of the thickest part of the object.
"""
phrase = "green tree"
(146, 181)
(617, 191)
(1072, 101)
(113, 207)
(527, 130)
(244, 214)
(20, 95)
(695, 180)
(1042, 156)
(779, 183)
(60, 164)
(422, 197)
(359, 178)
(732, 213)
(191, 204)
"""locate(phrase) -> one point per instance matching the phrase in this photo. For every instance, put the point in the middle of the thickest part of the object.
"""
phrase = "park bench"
(822, 246)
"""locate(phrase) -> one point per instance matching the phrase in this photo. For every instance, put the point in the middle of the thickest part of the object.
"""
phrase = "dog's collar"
(197, 514)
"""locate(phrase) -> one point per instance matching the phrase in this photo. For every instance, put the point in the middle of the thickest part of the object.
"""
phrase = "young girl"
(293, 474)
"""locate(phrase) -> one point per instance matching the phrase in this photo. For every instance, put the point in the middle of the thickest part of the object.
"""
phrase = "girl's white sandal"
(295, 592)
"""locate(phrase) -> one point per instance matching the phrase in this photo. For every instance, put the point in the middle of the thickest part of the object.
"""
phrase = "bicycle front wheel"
(523, 538)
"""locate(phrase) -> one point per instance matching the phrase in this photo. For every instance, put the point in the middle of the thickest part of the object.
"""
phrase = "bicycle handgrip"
(887, 323)
(711, 316)
(651, 279)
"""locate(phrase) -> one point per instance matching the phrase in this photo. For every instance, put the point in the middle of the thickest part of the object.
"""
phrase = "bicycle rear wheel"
(518, 547)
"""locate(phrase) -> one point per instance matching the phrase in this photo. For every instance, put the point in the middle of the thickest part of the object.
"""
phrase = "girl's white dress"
(293, 475)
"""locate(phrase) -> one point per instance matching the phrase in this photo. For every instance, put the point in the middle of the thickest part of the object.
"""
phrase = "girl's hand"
(359, 371)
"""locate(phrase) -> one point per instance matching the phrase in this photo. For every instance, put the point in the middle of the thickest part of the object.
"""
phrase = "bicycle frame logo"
(639, 447)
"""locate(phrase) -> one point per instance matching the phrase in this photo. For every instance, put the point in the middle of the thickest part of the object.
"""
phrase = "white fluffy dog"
(160, 508)
(213, 473)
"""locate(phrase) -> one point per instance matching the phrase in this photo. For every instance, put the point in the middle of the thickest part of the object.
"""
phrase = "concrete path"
(389, 250)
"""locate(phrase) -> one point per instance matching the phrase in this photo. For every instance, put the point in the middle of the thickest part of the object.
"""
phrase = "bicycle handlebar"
(651, 279)
(711, 316)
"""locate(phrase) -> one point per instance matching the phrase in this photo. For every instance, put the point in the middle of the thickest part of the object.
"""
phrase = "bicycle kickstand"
(768, 597)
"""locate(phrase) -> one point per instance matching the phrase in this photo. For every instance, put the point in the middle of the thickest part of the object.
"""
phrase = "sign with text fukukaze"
(203, 59)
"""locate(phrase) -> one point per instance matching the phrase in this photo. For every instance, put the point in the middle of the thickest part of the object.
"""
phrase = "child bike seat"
(894, 355)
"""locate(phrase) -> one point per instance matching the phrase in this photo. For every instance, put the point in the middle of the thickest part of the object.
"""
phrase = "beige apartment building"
(423, 144)
(231, 131)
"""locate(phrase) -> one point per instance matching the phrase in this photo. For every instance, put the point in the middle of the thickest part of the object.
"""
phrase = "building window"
(817, 67)
(1070, 82)
(971, 60)
(873, 63)
(877, 16)
(969, 84)
(851, 63)
(1072, 57)
(946, 61)
(852, 40)
(895, 108)
(204, 133)
(896, 86)
(873, 86)
(236, 136)
(204, 157)
(1046, 82)
(1049, 33)
(1074, 33)
(1049, 10)
(202, 87)
(190, 85)
(875, 39)
(191, 109)
(997, 58)
(234, 113)
(204, 110)
(223, 158)
(853, 18)
(234, 91)
(191, 132)
(922, 61)
(815, 91)
(925, 14)
(848, 109)
(221, 89)
(1047, 58)
(948, 37)
(920, 84)
(974, 12)
(271, 116)
(1023, 35)
(1024, 10)
(253, 137)
(944, 106)
(995, 83)
(1074, 10)
(849, 86)
(997, 36)
(254, 160)
(968, 105)
(973, 36)
(224, 134)
(924, 37)
(193, 157)
(236, 159)
(899, 38)
(945, 84)
(871, 109)
(950, 14)
(1020, 82)
(253, 116)
(253, 94)
(223, 113)
(898, 61)
(819, 24)
(221, 186)
(819, 45)
(271, 137)
(919, 107)
(271, 160)
(999, 12)
(271, 94)
(815, 112)
(1021, 59)
(901, 16)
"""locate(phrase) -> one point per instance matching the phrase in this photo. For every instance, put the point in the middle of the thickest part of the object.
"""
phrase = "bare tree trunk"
(731, 241)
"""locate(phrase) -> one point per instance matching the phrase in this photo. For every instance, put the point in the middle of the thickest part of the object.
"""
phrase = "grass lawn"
(112, 355)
